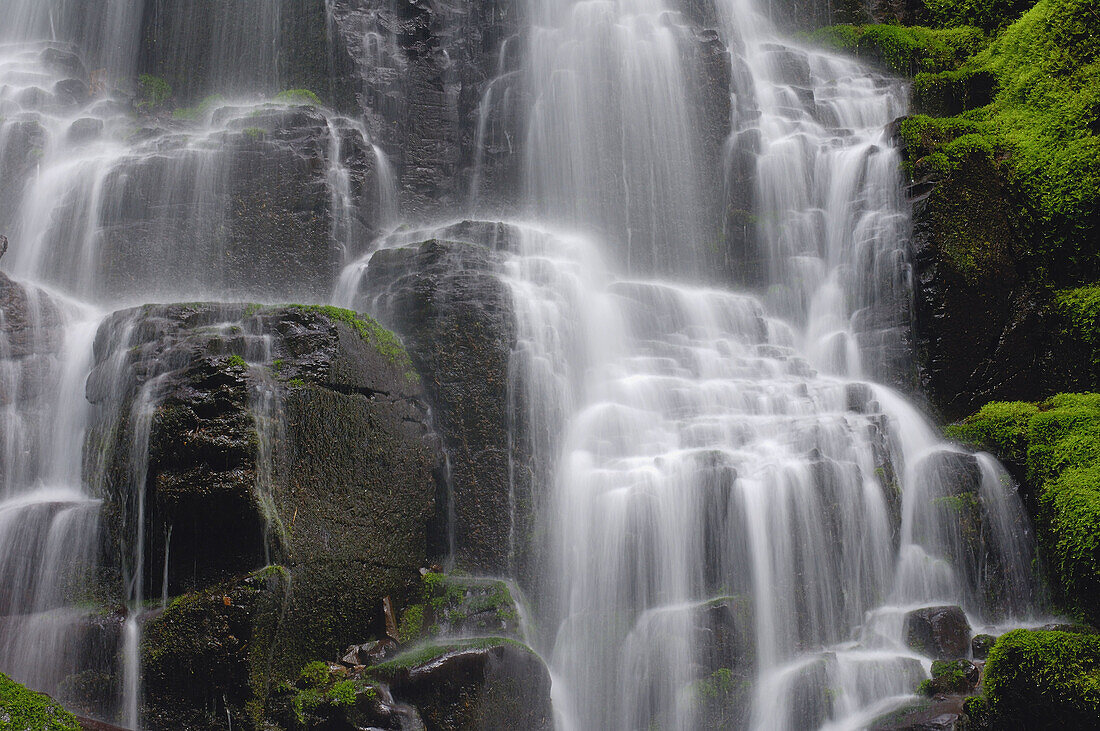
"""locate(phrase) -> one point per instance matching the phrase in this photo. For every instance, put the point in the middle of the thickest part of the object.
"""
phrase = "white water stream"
(710, 446)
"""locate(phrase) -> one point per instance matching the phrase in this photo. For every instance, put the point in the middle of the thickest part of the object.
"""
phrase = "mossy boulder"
(451, 685)
(295, 432)
(1040, 680)
(22, 709)
(951, 677)
(206, 658)
(462, 606)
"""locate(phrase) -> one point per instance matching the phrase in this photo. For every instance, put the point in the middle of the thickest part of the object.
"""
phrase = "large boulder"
(246, 434)
(939, 632)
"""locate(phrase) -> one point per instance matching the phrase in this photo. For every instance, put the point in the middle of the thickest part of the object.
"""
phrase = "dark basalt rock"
(318, 455)
(204, 47)
(31, 335)
(454, 313)
(939, 632)
(981, 645)
(983, 325)
(260, 205)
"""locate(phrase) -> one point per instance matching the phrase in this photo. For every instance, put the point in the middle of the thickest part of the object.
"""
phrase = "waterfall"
(722, 464)
(735, 510)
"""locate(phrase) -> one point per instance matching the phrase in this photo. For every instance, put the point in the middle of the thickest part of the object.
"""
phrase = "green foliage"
(254, 133)
(1044, 679)
(299, 97)
(986, 14)
(1079, 312)
(154, 92)
(236, 361)
(904, 50)
(411, 624)
(314, 674)
(22, 709)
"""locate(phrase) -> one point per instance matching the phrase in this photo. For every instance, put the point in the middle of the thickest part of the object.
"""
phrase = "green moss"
(950, 676)
(200, 110)
(368, 328)
(1079, 313)
(412, 624)
(986, 14)
(254, 133)
(1044, 679)
(236, 361)
(22, 709)
(153, 92)
(903, 50)
(299, 97)
(999, 427)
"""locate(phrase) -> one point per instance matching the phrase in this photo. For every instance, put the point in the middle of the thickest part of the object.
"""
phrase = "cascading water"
(116, 201)
(736, 519)
(724, 472)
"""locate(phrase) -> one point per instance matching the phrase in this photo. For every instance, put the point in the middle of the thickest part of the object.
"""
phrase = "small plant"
(154, 90)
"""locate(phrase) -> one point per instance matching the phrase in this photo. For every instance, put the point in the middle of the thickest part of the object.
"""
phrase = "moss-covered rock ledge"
(24, 710)
(1053, 447)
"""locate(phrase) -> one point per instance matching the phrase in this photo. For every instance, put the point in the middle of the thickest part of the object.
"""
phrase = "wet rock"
(204, 47)
(939, 632)
(370, 653)
(71, 92)
(928, 715)
(31, 336)
(199, 653)
(981, 645)
(85, 129)
(791, 66)
(983, 325)
(258, 200)
(448, 303)
(484, 684)
(462, 606)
